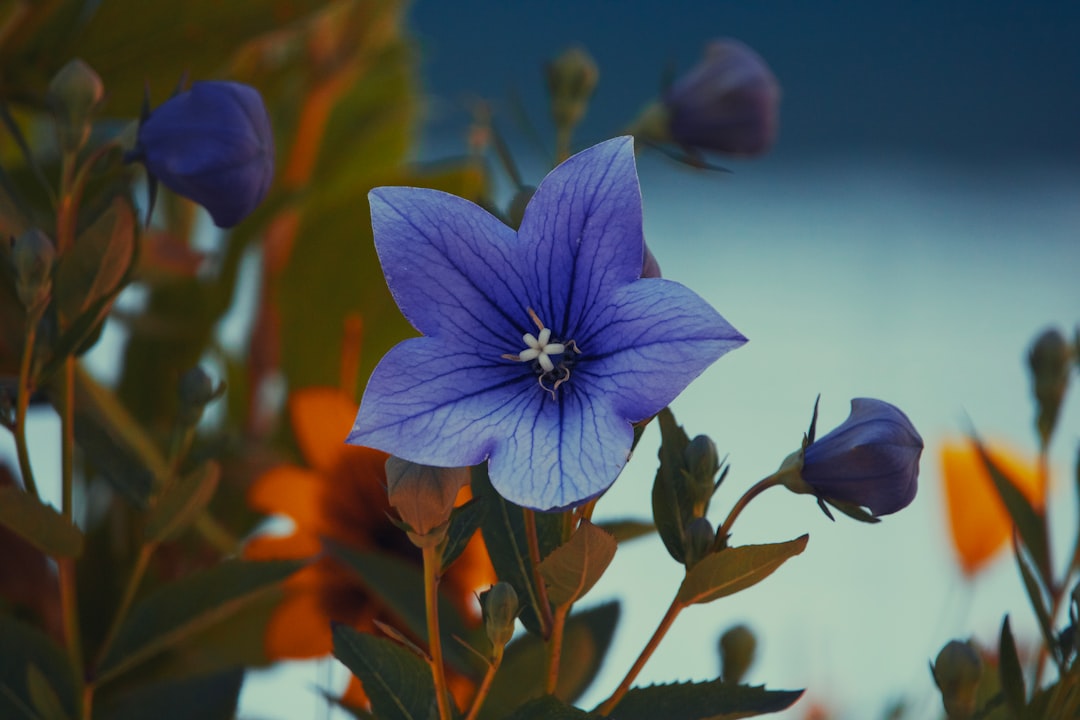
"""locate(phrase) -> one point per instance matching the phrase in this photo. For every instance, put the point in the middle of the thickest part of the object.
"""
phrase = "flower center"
(539, 350)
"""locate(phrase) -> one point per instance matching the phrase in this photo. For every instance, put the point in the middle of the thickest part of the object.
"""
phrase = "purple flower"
(870, 460)
(211, 144)
(541, 347)
(728, 103)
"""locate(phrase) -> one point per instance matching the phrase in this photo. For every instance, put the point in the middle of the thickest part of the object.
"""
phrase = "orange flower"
(340, 496)
(978, 520)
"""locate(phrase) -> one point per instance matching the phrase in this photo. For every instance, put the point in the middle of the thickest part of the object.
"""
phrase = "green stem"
(755, 490)
(554, 647)
(68, 599)
(485, 685)
(88, 702)
(665, 624)
(546, 619)
(22, 403)
(562, 143)
(134, 580)
(431, 605)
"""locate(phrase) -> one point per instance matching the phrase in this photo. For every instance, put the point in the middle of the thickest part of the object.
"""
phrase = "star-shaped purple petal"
(541, 347)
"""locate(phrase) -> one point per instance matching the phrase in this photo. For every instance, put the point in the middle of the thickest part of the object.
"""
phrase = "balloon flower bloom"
(870, 460)
(540, 347)
(211, 144)
(341, 496)
(978, 522)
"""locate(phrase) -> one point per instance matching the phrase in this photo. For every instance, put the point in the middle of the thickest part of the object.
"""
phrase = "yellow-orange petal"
(354, 695)
(978, 522)
(321, 419)
(282, 547)
(298, 629)
(294, 492)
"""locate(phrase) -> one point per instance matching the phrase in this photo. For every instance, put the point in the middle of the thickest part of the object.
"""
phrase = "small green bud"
(700, 537)
(571, 79)
(196, 391)
(1049, 362)
(73, 96)
(516, 211)
(500, 610)
(33, 257)
(702, 464)
(957, 671)
(737, 647)
(424, 497)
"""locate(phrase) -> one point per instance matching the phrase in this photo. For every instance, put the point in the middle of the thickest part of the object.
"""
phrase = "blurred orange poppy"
(978, 521)
(341, 496)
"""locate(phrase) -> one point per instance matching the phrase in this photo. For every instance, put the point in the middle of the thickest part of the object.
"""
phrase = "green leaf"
(548, 707)
(130, 43)
(43, 696)
(504, 535)
(666, 505)
(1012, 673)
(22, 647)
(97, 262)
(177, 610)
(39, 524)
(572, 569)
(339, 272)
(181, 502)
(732, 569)
(1038, 603)
(627, 529)
(1030, 524)
(464, 522)
(586, 640)
(115, 444)
(397, 682)
(714, 700)
(207, 697)
(399, 585)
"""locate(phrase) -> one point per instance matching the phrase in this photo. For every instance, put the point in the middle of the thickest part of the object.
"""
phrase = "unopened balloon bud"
(737, 648)
(33, 257)
(73, 95)
(424, 497)
(700, 537)
(1049, 360)
(197, 390)
(500, 610)
(702, 464)
(957, 671)
(571, 79)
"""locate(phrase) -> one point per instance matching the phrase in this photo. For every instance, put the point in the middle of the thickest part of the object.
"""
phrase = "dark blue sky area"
(967, 81)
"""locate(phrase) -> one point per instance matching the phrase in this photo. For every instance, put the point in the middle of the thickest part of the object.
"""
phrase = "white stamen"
(539, 347)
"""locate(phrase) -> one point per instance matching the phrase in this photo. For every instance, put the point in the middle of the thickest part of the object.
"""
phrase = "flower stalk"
(22, 403)
(69, 605)
(756, 489)
(134, 580)
(554, 647)
(661, 630)
(547, 621)
(432, 561)
(485, 684)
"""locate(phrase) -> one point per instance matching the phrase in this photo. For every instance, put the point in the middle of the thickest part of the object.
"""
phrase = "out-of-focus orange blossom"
(341, 496)
(978, 522)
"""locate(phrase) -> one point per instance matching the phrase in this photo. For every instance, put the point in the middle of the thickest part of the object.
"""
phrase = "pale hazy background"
(916, 225)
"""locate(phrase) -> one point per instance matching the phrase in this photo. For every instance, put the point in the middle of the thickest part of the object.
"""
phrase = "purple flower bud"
(728, 103)
(870, 460)
(212, 144)
(649, 267)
